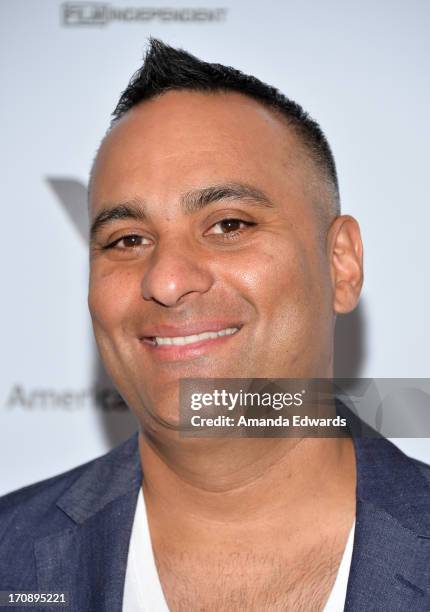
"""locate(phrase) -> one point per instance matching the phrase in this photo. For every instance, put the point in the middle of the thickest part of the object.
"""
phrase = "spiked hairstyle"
(166, 69)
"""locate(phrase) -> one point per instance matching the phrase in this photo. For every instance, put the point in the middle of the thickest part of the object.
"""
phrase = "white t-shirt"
(142, 589)
(336, 600)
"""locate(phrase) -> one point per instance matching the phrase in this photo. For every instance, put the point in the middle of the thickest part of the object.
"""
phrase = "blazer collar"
(391, 554)
(106, 479)
(89, 559)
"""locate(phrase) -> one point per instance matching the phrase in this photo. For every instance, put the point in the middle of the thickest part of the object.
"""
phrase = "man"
(218, 251)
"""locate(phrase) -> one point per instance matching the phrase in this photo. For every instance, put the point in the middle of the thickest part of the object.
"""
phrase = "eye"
(131, 241)
(230, 228)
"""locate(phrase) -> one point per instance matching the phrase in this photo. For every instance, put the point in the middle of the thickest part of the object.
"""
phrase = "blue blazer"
(72, 532)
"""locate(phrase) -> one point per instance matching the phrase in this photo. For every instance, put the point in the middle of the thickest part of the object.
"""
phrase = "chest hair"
(249, 581)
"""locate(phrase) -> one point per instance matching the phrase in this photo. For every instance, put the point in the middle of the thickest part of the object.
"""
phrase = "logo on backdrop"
(72, 195)
(101, 14)
(103, 398)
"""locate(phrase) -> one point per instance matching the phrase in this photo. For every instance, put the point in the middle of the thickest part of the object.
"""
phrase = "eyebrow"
(190, 202)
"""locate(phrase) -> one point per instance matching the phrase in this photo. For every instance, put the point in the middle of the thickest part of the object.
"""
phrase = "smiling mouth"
(191, 339)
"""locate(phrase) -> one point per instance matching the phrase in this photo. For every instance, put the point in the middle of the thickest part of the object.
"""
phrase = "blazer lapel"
(89, 559)
(391, 556)
(389, 567)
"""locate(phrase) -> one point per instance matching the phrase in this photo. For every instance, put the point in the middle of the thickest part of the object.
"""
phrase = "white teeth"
(181, 340)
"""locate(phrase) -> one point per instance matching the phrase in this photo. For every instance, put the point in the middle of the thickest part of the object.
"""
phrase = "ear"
(345, 253)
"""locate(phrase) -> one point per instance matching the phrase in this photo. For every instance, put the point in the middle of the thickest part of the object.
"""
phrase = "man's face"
(214, 230)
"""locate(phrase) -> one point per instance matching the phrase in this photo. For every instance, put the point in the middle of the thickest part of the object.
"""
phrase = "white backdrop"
(360, 68)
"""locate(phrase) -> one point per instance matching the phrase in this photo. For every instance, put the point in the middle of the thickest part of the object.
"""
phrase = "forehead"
(184, 140)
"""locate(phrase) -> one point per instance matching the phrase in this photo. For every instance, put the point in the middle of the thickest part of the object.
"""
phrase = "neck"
(223, 481)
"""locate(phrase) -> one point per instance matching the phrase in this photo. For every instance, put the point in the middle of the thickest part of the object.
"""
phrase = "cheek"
(275, 279)
(288, 289)
(110, 296)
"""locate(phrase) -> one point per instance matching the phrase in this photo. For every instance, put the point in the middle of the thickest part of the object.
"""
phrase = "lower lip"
(173, 352)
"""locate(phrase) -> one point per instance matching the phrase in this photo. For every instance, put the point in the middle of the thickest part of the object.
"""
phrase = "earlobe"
(346, 263)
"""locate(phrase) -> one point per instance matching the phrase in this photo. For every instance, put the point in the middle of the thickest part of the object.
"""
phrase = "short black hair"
(166, 68)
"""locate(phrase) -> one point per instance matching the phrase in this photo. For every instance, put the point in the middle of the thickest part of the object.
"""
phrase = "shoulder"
(57, 505)
(24, 507)
(422, 467)
(391, 480)
(33, 509)
(383, 450)
(380, 455)
(25, 515)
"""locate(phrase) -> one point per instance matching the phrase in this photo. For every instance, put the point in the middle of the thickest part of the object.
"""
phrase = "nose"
(174, 271)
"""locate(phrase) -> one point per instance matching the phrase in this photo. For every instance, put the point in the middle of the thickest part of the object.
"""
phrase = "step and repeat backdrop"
(360, 68)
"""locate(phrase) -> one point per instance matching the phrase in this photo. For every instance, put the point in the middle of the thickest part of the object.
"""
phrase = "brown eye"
(131, 241)
(229, 226)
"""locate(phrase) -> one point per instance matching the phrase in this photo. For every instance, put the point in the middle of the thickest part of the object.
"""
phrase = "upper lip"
(188, 329)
